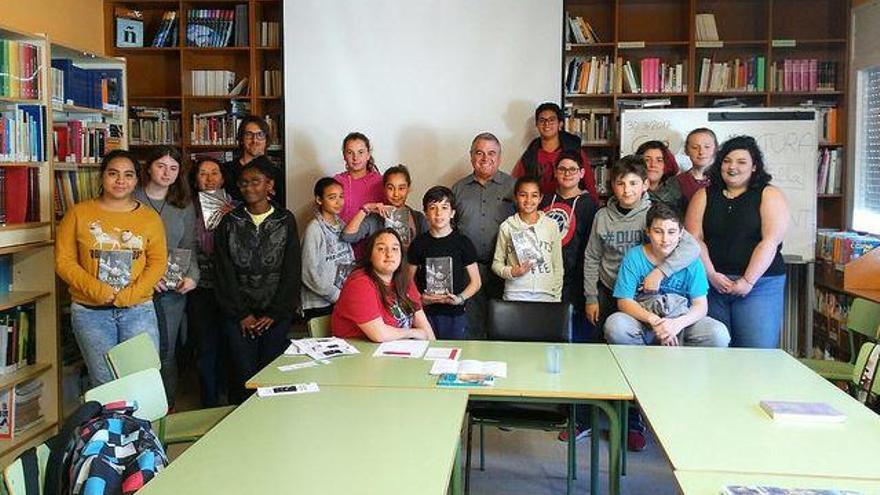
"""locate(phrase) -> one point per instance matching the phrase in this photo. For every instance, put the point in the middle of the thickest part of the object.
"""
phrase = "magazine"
(114, 268)
(525, 244)
(321, 348)
(398, 219)
(438, 276)
(178, 265)
(214, 205)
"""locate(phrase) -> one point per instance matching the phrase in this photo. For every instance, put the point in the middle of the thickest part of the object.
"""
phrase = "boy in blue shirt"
(676, 313)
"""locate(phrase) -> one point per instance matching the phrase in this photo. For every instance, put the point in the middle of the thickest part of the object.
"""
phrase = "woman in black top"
(740, 221)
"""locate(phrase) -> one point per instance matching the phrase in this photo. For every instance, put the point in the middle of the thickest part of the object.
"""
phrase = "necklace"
(153, 205)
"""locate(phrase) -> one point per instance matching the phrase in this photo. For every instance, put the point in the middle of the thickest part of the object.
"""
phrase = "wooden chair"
(139, 353)
(863, 319)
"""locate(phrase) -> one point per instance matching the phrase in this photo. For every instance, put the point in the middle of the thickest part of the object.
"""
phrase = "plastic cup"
(554, 359)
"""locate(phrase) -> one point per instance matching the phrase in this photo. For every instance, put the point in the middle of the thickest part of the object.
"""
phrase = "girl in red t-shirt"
(379, 300)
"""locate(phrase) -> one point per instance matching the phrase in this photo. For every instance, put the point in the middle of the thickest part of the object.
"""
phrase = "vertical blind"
(866, 194)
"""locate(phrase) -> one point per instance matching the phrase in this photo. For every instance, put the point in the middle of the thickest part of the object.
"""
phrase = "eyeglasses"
(253, 182)
(257, 136)
(568, 170)
(551, 120)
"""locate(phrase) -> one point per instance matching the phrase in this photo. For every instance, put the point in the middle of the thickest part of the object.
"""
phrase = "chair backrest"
(529, 321)
(15, 475)
(319, 327)
(135, 354)
(859, 367)
(864, 318)
(144, 386)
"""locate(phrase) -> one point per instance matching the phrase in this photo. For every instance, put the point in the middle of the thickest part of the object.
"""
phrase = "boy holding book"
(444, 263)
(528, 252)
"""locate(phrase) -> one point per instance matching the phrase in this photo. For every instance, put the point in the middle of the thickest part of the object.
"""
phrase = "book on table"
(796, 411)
(775, 490)
(468, 372)
(405, 348)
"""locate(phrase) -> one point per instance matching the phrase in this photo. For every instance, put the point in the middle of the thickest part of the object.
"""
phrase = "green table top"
(710, 483)
(336, 441)
(589, 371)
(703, 405)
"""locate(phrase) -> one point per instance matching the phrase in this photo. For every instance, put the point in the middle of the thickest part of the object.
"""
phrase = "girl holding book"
(203, 312)
(380, 301)
(165, 189)
(528, 252)
(257, 270)
(393, 213)
(111, 253)
(326, 260)
(361, 181)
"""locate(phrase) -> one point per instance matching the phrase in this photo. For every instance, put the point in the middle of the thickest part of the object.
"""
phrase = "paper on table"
(436, 353)
(296, 366)
(293, 350)
(402, 348)
(298, 388)
(470, 367)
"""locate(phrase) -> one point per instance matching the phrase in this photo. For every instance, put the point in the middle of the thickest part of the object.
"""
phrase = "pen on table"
(396, 353)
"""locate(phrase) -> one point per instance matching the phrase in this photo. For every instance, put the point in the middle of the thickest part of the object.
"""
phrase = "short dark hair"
(526, 179)
(115, 155)
(250, 119)
(759, 178)
(322, 185)
(662, 211)
(261, 164)
(549, 105)
(397, 169)
(572, 155)
(629, 164)
(437, 194)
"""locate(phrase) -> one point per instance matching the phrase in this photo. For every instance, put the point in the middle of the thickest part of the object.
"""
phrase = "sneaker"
(580, 434)
(636, 441)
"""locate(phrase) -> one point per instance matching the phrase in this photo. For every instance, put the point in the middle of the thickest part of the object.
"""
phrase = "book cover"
(343, 270)
(114, 267)
(214, 205)
(458, 380)
(6, 412)
(525, 245)
(775, 490)
(814, 412)
(438, 276)
(398, 219)
(178, 265)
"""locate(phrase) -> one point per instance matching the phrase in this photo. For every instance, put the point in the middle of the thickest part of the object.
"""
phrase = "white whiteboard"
(420, 78)
(787, 136)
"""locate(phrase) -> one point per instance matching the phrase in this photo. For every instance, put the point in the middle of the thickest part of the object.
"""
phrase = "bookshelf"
(27, 242)
(165, 74)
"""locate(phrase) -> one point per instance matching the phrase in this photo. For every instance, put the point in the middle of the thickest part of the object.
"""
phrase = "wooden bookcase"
(31, 248)
(161, 77)
(774, 29)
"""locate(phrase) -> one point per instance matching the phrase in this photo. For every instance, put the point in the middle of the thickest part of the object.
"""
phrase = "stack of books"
(808, 75)
(215, 83)
(270, 34)
(841, 248)
(27, 405)
(209, 27)
(167, 32)
(654, 76)
(578, 30)
(594, 75)
(84, 141)
(20, 64)
(735, 75)
(153, 125)
(214, 128)
(829, 179)
(75, 186)
(272, 83)
(22, 133)
(706, 28)
(18, 345)
(19, 195)
(100, 89)
(593, 125)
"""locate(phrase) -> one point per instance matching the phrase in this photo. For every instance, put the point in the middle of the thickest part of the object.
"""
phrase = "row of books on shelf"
(168, 32)
(830, 339)
(735, 75)
(807, 75)
(601, 173)
(217, 83)
(19, 195)
(18, 344)
(829, 177)
(827, 116)
(22, 133)
(153, 125)
(20, 64)
(272, 83)
(217, 27)
(601, 75)
(20, 407)
(579, 30)
(214, 128)
(591, 124)
(75, 186)
(841, 247)
(92, 88)
(84, 141)
(834, 305)
(270, 34)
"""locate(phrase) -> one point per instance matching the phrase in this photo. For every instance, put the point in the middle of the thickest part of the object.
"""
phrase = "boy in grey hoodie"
(326, 259)
(618, 227)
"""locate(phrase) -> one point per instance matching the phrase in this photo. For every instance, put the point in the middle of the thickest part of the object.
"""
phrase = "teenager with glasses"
(253, 139)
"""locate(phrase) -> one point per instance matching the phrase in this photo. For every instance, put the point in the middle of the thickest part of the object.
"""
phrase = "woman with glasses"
(253, 138)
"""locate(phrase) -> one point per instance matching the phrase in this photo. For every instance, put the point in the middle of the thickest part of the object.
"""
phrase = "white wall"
(420, 78)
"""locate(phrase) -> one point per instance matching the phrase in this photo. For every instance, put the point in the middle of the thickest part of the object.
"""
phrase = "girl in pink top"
(361, 181)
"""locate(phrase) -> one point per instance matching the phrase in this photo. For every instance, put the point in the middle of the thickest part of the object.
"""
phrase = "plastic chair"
(863, 319)
(319, 327)
(139, 353)
(16, 475)
(144, 386)
(524, 322)
(859, 367)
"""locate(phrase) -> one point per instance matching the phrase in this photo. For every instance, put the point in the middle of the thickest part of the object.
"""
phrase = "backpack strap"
(30, 470)
(60, 444)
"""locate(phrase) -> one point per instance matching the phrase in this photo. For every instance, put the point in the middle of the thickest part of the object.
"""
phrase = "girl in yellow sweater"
(111, 252)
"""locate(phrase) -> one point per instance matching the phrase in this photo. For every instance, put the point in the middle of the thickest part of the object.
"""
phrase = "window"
(866, 193)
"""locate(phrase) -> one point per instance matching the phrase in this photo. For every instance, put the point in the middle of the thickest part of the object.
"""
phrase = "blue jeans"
(170, 308)
(621, 328)
(449, 327)
(756, 319)
(99, 329)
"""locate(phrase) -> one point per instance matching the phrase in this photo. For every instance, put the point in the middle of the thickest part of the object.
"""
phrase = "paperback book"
(775, 490)
(214, 205)
(794, 411)
(6, 412)
(343, 270)
(468, 372)
(114, 268)
(398, 219)
(438, 276)
(525, 244)
(178, 264)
